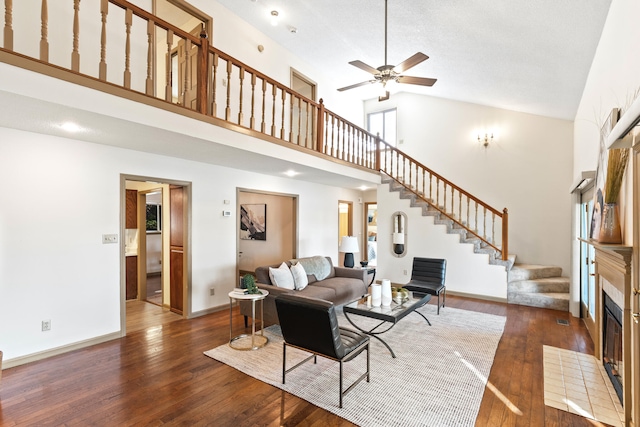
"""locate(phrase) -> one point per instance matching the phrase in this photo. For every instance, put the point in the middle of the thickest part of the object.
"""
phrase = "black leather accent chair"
(428, 276)
(310, 324)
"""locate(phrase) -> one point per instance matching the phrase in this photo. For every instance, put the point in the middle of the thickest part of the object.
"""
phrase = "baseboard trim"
(209, 311)
(17, 361)
(476, 296)
(461, 294)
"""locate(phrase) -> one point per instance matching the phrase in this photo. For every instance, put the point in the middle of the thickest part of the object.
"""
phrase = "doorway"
(587, 262)
(152, 282)
(267, 229)
(156, 251)
(371, 233)
(345, 220)
(303, 125)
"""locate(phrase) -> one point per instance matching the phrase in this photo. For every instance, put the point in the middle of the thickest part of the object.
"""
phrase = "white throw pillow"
(281, 277)
(300, 279)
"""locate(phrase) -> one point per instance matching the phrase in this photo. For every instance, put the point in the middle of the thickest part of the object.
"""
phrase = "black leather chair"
(427, 277)
(311, 325)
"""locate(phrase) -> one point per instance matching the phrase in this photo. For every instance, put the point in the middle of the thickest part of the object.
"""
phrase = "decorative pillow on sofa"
(281, 277)
(318, 266)
(300, 279)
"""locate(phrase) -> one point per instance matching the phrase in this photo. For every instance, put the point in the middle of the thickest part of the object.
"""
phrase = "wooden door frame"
(187, 313)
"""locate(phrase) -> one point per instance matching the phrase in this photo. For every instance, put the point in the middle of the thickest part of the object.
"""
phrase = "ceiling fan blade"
(365, 67)
(356, 85)
(423, 81)
(410, 62)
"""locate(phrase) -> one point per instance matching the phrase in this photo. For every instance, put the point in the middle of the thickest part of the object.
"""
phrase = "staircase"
(531, 285)
(538, 286)
(479, 246)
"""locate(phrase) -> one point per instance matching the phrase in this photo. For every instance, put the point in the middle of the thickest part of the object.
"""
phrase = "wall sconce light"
(486, 139)
(274, 17)
(349, 245)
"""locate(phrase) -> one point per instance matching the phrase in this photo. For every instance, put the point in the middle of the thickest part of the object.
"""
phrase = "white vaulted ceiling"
(521, 55)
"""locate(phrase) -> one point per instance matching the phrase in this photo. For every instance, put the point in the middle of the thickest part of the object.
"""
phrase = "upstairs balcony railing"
(126, 46)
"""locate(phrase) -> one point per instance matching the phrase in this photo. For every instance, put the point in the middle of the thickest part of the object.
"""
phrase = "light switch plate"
(109, 238)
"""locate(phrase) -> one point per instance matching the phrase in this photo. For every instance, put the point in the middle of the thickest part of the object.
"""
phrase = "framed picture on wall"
(253, 222)
(601, 173)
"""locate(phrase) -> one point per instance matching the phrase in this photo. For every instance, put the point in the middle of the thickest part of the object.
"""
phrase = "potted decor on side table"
(610, 231)
(249, 283)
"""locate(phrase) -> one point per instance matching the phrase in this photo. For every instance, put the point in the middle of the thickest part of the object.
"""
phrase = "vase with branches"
(610, 231)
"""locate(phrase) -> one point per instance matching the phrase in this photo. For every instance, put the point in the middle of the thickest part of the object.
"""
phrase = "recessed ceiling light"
(70, 127)
(291, 173)
(274, 17)
(363, 187)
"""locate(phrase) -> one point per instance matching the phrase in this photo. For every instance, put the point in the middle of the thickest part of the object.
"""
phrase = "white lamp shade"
(398, 238)
(349, 244)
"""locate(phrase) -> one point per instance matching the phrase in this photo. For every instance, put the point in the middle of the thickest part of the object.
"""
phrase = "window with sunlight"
(383, 123)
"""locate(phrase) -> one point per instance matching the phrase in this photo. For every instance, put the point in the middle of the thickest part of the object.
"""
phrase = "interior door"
(187, 83)
(177, 248)
(371, 233)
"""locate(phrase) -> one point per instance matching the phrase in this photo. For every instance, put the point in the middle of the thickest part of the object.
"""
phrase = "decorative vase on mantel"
(610, 224)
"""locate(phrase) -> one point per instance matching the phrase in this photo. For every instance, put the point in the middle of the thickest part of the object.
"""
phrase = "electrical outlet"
(405, 272)
(212, 291)
(46, 325)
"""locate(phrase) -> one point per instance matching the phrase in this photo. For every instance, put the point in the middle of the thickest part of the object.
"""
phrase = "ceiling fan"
(387, 73)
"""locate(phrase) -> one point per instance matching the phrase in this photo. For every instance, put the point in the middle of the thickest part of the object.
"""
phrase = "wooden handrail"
(258, 104)
(395, 166)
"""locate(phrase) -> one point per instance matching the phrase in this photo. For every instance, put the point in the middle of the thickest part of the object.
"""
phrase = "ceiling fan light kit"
(389, 73)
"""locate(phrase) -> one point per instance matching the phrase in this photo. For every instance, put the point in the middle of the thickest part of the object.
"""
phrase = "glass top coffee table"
(388, 316)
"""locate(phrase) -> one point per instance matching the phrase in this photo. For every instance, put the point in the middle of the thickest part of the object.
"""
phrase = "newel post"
(320, 128)
(203, 73)
(505, 234)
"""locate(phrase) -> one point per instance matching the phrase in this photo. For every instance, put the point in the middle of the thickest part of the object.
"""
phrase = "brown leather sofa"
(341, 286)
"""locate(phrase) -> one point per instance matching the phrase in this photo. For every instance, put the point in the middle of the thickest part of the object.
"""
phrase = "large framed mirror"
(399, 234)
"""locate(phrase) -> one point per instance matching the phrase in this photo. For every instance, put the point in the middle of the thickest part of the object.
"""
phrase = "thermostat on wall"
(226, 213)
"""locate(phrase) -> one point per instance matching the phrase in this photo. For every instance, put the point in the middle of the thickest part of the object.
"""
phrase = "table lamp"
(349, 245)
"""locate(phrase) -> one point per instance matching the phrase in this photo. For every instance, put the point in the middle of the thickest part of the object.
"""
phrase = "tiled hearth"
(577, 383)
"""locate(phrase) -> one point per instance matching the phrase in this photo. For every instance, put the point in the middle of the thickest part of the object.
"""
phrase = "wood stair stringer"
(451, 227)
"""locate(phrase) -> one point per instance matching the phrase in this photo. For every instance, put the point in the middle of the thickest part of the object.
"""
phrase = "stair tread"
(533, 266)
(546, 279)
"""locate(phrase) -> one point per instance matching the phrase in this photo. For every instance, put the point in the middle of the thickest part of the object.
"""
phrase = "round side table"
(244, 341)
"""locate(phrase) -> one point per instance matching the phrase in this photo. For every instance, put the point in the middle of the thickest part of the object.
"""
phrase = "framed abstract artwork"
(253, 222)
(601, 173)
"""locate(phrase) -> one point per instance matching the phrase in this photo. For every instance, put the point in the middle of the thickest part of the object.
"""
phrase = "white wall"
(65, 194)
(467, 272)
(613, 82)
(526, 169)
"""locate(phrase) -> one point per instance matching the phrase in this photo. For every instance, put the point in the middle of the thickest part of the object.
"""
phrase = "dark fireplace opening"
(612, 343)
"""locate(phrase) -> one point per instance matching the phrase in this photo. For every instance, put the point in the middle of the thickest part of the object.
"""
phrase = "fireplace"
(612, 344)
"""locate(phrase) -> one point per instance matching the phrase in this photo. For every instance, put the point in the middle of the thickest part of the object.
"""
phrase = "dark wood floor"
(159, 376)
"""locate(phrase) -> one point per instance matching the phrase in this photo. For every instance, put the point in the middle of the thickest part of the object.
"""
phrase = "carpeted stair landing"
(538, 286)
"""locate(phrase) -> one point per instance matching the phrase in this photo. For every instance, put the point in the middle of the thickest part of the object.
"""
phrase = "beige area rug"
(578, 383)
(437, 379)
